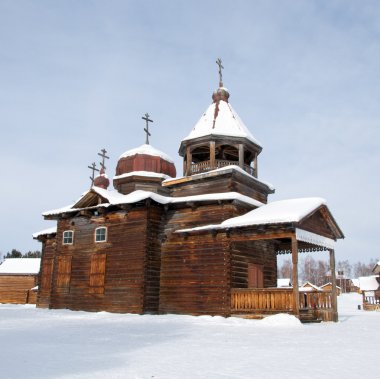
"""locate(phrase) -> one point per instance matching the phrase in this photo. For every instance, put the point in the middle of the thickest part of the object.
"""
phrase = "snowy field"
(39, 343)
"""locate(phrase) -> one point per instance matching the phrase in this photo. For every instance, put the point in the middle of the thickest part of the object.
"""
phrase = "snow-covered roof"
(309, 287)
(277, 212)
(219, 171)
(284, 282)
(356, 282)
(142, 173)
(369, 283)
(116, 198)
(227, 123)
(146, 150)
(376, 269)
(329, 284)
(45, 232)
(20, 266)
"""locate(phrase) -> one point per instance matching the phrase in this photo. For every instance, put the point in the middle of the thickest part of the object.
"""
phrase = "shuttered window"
(63, 274)
(46, 274)
(97, 273)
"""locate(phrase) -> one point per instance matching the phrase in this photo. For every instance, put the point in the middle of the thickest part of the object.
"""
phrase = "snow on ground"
(40, 343)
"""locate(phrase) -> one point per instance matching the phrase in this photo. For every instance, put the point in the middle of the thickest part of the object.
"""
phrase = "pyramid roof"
(220, 119)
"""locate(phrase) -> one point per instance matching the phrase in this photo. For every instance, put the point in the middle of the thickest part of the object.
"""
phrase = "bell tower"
(220, 154)
(219, 138)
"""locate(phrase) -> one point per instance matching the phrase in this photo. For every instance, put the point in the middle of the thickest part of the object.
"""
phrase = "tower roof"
(220, 119)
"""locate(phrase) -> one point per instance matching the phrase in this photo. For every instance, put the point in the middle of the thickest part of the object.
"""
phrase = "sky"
(77, 76)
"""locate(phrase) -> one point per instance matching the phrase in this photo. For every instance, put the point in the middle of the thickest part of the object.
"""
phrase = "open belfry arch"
(219, 138)
(203, 243)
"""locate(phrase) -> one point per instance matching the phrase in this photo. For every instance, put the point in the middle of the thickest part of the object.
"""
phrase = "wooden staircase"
(308, 316)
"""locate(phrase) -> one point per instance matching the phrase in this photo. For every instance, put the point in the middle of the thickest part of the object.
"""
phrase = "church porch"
(258, 300)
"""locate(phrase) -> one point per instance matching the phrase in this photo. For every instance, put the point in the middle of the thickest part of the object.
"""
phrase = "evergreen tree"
(17, 254)
(14, 254)
(32, 254)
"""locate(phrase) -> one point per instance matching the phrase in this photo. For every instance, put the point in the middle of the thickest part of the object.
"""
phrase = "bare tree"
(345, 268)
(285, 270)
(362, 269)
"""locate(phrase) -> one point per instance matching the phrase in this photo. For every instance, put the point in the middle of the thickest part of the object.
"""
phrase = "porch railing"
(276, 300)
(204, 166)
(315, 300)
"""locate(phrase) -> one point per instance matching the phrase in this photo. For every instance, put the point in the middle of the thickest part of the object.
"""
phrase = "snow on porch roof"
(277, 212)
(293, 210)
(20, 266)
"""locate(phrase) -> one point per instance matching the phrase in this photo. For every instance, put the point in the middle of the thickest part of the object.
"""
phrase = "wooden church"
(205, 243)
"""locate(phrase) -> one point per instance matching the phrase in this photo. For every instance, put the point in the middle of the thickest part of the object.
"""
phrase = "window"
(100, 234)
(68, 237)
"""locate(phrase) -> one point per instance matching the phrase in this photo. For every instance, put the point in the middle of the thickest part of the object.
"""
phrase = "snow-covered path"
(39, 343)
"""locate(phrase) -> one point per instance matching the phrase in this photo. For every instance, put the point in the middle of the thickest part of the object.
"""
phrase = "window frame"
(105, 234)
(72, 237)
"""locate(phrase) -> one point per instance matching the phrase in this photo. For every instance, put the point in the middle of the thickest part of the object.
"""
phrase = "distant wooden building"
(203, 243)
(308, 286)
(370, 290)
(342, 281)
(328, 288)
(18, 280)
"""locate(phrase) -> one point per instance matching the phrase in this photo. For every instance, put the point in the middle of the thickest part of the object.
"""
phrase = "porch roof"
(292, 211)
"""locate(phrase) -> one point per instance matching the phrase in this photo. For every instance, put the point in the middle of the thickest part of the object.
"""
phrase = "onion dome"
(102, 180)
(220, 94)
(145, 158)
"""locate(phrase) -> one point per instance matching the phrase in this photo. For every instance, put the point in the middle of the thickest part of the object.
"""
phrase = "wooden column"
(188, 161)
(296, 297)
(255, 166)
(212, 155)
(333, 286)
(241, 156)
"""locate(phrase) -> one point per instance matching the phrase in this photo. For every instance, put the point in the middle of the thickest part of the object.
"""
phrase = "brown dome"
(102, 180)
(145, 158)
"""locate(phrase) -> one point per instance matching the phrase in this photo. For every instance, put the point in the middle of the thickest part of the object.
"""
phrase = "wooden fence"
(278, 300)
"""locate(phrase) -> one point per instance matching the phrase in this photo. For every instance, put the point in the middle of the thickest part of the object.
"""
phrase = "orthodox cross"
(219, 63)
(146, 118)
(93, 168)
(104, 156)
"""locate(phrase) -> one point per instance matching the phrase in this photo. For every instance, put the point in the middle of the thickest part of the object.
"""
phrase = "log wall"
(195, 276)
(15, 289)
(155, 227)
(119, 275)
(253, 252)
(225, 183)
(46, 272)
(202, 214)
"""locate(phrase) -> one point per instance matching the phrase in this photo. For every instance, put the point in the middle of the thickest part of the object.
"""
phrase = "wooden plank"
(333, 281)
(296, 304)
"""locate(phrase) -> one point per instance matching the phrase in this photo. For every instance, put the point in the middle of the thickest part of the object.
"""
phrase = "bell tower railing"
(204, 166)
